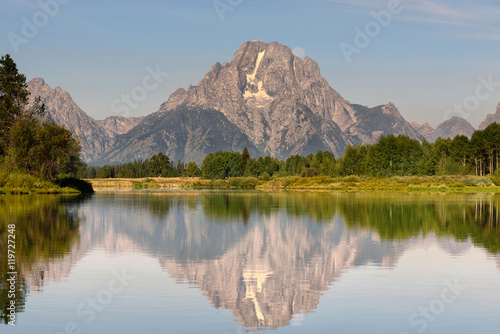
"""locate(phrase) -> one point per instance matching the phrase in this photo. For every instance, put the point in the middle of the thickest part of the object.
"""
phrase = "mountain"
(490, 118)
(372, 123)
(186, 134)
(118, 125)
(450, 128)
(266, 99)
(284, 105)
(278, 100)
(424, 130)
(61, 108)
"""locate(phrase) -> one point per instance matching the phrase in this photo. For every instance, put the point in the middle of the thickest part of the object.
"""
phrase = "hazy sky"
(426, 56)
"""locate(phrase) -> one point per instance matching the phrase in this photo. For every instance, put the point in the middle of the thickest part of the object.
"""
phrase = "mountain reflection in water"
(265, 257)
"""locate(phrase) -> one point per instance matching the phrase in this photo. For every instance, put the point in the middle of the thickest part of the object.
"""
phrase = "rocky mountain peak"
(390, 109)
(424, 130)
(274, 97)
(37, 82)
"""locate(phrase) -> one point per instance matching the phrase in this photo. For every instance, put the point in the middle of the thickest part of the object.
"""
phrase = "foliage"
(29, 142)
(192, 170)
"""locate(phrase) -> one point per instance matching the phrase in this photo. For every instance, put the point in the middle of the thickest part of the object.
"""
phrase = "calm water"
(204, 262)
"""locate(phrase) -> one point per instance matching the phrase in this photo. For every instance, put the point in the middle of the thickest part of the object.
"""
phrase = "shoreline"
(397, 184)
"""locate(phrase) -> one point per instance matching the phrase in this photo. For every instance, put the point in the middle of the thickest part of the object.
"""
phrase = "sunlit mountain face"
(267, 258)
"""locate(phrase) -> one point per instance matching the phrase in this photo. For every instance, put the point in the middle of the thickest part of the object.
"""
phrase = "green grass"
(445, 183)
(21, 183)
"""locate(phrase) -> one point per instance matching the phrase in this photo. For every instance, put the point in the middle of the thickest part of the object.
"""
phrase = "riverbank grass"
(12, 183)
(446, 183)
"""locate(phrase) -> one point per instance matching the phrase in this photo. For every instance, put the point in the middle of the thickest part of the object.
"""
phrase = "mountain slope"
(379, 121)
(63, 110)
(186, 134)
(451, 128)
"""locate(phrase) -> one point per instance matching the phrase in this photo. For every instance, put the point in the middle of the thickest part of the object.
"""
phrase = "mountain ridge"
(268, 99)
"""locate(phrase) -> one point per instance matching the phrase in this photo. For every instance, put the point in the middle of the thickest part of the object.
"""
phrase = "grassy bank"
(12, 183)
(318, 183)
(447, 183)
(159, 183)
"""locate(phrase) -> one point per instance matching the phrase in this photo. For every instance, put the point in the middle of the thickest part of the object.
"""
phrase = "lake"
(238, 262)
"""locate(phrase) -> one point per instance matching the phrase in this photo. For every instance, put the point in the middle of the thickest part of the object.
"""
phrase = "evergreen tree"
(245, 157)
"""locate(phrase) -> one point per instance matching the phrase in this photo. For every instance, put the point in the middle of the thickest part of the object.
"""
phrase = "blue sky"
(426, 57)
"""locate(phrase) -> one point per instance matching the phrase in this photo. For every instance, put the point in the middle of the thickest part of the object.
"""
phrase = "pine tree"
(245, 156)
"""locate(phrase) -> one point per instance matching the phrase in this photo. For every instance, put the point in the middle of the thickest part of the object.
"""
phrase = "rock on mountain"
(118, 125)
(490, 118)
(451, 128)
(372, 123)
(186, 134)
(63, 110)
(424, 130)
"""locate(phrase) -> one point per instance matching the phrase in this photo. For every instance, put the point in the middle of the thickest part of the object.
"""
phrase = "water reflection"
(46, 229)
(265, 257)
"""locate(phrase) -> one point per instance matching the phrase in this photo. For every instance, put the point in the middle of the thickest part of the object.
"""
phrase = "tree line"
(159, 165)
(390, 156)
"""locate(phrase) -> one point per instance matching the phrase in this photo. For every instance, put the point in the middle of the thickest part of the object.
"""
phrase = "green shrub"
(477, 181)
(264, 176)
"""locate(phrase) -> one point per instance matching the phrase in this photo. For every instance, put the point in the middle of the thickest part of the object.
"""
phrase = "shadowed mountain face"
(186, 134)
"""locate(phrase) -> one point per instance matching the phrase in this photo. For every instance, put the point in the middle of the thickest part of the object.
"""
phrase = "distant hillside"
(451, 128)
